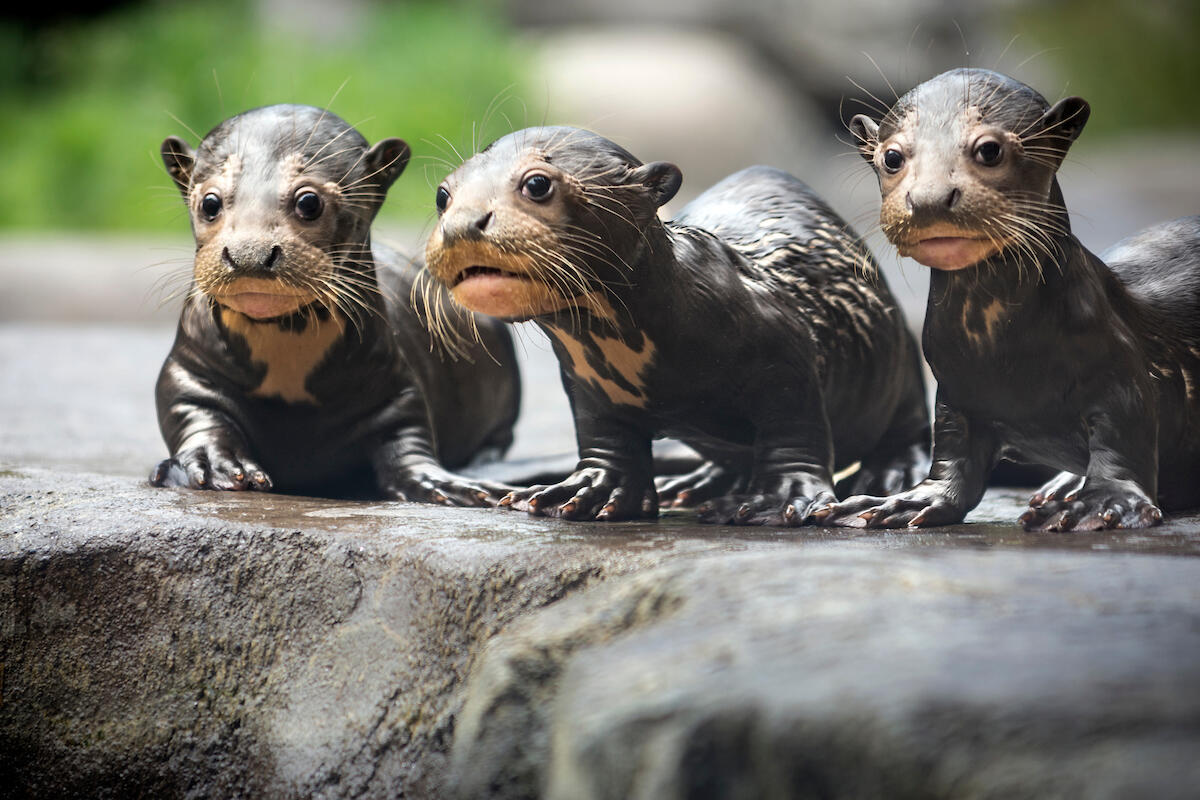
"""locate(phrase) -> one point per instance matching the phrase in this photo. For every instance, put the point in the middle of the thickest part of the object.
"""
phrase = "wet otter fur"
(299, 362)
(753, 327)
(1043, 354)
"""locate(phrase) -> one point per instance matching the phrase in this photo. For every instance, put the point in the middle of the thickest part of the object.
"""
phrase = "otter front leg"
(793, 462)
(963, 454)
(788, 485)
(613, 480)
(721, 473)
(1119, 487)
(207, 452)
(406, 467)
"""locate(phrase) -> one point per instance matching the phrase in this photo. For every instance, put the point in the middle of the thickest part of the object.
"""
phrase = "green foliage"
(85, 106)
(1135, 61)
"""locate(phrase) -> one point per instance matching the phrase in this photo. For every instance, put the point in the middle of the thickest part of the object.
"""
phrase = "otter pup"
(753, 327)
(299, 362)
(1042, 353)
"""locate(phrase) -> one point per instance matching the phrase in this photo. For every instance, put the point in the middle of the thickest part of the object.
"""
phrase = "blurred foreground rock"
(836, 672)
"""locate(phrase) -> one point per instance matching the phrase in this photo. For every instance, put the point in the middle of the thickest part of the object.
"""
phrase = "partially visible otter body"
(753, 327)
(1042, 353)
(299, 362)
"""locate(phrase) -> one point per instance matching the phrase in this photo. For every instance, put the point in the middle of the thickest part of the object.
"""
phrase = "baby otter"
(299, 362)
(754, 327)
(1042, 353)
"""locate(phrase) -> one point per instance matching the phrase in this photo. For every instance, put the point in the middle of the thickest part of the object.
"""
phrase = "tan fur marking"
(992, 316)
(598, 305)
(623, 358)
(289, 357)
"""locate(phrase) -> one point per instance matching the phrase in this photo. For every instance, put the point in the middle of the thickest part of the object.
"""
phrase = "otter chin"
(950, 253)
(262, 299)
(505, 295)
(259, 305)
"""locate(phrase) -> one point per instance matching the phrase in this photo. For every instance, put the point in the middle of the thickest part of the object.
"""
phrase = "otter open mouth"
(479, 271)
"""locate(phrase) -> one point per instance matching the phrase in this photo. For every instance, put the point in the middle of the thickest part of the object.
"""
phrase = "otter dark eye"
(210, 206)
(309, 205)
(537, 187)
(989, 153)
(893, 159)
(442, 199)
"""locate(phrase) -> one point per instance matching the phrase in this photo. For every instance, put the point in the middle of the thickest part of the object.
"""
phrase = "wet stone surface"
(179, 643)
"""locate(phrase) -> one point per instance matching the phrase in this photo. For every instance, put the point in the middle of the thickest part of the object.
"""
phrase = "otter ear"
(1065, 120)
(179, 158)
(386, 160)
(866, 134)
(662, 178)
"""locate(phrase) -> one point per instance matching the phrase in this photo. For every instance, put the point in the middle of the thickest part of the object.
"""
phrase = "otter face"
(538, 220)
(281, 201)
(965, 163)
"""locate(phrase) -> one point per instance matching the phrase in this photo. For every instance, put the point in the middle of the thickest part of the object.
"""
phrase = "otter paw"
(210, 468)
(1060, 485)
(708, 481)
(432, 484)
(593, 493)
(917, 508)
(1092, 505)
(772, 509)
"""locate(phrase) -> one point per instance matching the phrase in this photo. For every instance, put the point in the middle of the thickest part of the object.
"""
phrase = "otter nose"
(249, 256)
(932, 199)
(466, 224)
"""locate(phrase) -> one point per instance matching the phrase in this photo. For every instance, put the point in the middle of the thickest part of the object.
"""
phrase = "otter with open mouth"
(1042, 353)
(300, 362)
(753, 327)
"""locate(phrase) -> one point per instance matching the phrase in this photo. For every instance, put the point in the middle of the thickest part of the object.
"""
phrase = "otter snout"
(253, 256)
(466, 225)
(932, 201)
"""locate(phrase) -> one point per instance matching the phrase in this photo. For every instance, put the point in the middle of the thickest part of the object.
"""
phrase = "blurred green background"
(85, 100)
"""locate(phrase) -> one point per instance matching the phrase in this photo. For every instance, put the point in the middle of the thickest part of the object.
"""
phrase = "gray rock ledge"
(170, 643)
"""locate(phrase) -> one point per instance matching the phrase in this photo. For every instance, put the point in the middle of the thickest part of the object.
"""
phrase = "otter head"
(281, 201)
(966, 164)
(541, 219)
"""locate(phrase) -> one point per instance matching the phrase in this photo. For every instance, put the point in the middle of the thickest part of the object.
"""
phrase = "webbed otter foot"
(597, 493)
(786, 503)
(1090, 504)
(210, 467)
(927, 504)
(430, 483)
(708, 481)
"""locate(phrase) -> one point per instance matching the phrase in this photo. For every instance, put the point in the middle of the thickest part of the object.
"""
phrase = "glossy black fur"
(1089, 368)
(778, 350)
(391, 414)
